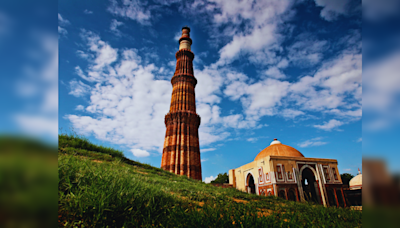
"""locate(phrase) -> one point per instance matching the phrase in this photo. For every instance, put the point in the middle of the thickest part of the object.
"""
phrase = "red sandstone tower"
(181, 153)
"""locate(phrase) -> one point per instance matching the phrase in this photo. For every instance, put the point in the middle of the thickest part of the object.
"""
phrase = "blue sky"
(265, 70)
(381, 67)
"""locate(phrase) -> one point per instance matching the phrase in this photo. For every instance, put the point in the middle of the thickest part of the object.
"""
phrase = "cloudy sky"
(266, 69)
(381, 81)
(29, 69)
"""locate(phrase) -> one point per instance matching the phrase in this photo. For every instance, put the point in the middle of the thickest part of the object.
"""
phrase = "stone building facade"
(283, 171)
(181, 152)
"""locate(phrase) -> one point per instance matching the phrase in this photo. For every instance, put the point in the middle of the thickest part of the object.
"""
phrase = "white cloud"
(252, 139)
(332, 9)
(290, 113)
(79, 108)
(82, 54)
(130, 105)
(40, 118)
(261, 97)
(236, 11)
(80, 73)
(209, 179)
(133, 9)
(260, 37)
(131, 110)
(274, 72)
(140, 153)
(114, 27)
(307, 50)
(62, 31)
(283, 63)
(86, 11)
(331, 86)
(172, 64)
(342, 75)
(335, 88)
(204, 159)
(78, 88)
(209, 86)
(37, 124)
(101, 55)
(359, 140)
(328, 126)
(209, 134)
(312, 142)
(62, 22)
(236, 90)
(380, 94)
(207, 150)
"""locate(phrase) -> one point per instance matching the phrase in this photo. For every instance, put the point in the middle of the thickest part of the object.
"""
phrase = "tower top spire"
(186, 27)
(185, 41)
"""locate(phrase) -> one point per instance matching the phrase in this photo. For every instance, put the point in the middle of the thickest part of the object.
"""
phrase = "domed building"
(354, 192)
(356, 182)
(283, 171)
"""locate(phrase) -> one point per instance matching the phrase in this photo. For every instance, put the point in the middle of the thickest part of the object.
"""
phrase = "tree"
(221, 178)
(346, 177)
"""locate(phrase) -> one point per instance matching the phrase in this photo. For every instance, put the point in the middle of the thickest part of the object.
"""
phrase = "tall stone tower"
(181, 153)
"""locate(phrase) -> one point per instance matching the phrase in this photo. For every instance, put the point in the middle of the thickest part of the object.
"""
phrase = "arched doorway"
(281, 194)
(292, 195)
(251, 187)
(310, 186)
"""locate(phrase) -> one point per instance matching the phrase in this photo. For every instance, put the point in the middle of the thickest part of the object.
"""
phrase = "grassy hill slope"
(99, 187)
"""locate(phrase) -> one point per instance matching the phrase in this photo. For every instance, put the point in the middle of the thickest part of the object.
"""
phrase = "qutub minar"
(181, 153)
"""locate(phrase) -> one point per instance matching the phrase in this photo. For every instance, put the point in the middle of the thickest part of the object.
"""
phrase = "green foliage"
(96, 190)
(221, 179)
(346, 177)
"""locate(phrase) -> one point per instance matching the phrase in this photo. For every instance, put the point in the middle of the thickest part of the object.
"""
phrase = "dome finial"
(275, 142)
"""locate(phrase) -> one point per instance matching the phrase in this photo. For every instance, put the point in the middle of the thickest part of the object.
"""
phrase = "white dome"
(356, 182)
(275, 142)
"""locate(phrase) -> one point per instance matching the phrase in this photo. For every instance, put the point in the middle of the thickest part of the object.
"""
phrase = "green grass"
(79, 142)
(99, 190)
(28, 183)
